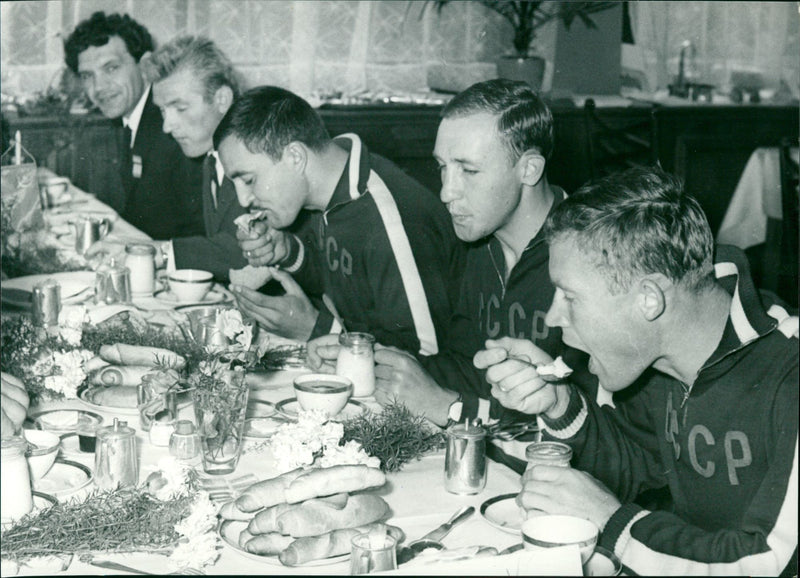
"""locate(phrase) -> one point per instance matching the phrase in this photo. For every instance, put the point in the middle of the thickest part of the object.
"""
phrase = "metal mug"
(113, 285)
(465, 459)
(89, 230)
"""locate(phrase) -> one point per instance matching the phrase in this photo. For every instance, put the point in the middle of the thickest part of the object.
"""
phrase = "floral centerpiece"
(168, 514)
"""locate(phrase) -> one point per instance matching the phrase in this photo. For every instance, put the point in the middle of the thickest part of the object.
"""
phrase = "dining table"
(416, 493)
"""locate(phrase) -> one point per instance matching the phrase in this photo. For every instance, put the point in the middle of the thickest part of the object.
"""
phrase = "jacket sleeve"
(762, 542)
(217, 252)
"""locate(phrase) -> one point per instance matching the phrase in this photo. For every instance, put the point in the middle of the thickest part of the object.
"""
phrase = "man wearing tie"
(193, 86)
(157, 179)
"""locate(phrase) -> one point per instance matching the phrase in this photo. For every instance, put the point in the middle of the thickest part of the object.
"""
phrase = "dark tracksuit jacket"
(727, 450)
(386, 253)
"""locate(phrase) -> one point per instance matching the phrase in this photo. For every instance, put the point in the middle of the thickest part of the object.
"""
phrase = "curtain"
(726, 37)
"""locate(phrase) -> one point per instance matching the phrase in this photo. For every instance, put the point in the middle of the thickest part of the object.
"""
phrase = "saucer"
(167, 296)
(503, 513)
(289, 408)
(65, 477)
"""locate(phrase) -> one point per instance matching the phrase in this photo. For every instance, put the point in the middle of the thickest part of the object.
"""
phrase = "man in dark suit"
(157, 194)
(193, 85)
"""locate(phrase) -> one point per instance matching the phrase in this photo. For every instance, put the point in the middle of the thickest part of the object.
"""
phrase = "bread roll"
(313, 518)
(334, 543)
(94, 364)
(333, 480)
(250, 277)
(270, 544)
(229, 511)
(115, 396)
(120, 375)
(244, 537)
(266, 520)
(267, 492)
(124, 354)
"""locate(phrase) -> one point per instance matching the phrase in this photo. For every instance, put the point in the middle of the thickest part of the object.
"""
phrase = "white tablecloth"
(756, 198)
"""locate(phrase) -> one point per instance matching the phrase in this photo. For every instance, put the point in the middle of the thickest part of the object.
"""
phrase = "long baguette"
(312, 519)
(229, 511)
(266, 493)
(267, 519)
(334, 543)
(125, 354)
(270, 544)
(333, 480)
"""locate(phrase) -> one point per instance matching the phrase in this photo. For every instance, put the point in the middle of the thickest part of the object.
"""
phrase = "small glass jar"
(161, 433)
(184, 443)
(356, 362)
(116, 462)
(15, 481)
(140, 259)
(548, 454)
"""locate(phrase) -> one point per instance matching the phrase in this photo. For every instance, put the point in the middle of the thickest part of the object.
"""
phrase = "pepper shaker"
(184, 443)
(465, 458)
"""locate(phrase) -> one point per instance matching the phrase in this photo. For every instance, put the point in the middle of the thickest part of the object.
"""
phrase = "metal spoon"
(536, 366)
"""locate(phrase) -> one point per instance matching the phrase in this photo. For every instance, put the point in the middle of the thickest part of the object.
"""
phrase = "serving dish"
(64, 478)
(62, 420)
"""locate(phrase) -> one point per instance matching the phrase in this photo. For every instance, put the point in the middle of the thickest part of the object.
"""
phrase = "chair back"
(790, 201)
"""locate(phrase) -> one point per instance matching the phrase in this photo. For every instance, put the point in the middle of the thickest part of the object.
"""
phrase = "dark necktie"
(126, 169)
(213, 182)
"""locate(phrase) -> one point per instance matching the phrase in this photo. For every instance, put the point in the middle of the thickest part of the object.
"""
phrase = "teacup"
(190, 285)
(323, 391)
(552, 531)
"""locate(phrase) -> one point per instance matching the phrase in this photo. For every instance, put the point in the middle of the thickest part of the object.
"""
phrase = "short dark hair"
(638, 222)
(99, 28)
(267, 118)
(524, 121)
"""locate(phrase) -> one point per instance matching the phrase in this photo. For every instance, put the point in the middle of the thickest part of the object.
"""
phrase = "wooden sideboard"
(706, 145)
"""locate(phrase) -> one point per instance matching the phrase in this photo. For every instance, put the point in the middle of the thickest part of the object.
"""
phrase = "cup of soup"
(323, 391)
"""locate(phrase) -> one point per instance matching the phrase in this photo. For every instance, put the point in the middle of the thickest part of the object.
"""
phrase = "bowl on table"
(190, 285)
(553, 531)
(42, 451)
(323, 391)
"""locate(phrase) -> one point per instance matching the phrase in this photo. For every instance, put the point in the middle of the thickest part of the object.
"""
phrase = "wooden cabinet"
(81, 147)
(706, 145)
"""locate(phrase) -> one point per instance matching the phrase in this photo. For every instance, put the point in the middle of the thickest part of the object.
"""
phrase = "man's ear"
(223, 99)
(531, 165)
(296, 153)
(652, 297)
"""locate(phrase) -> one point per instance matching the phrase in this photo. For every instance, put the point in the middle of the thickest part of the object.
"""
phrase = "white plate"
(503, 513)
(61, 420)
(74, 284)
(85, 395)
(65, 477)
(289, 407)
(170, 298)
(259, 428)
(229, 531)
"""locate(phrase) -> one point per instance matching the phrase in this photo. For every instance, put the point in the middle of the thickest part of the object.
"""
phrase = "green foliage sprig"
(395, 435)
(121, 520)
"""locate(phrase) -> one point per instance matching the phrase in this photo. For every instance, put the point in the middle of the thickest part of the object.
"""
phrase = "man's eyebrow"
(235, 174)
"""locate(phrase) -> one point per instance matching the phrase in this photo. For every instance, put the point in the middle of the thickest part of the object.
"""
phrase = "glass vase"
(220, 413)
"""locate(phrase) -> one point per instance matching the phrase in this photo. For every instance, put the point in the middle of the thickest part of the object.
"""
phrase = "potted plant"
(526, 18)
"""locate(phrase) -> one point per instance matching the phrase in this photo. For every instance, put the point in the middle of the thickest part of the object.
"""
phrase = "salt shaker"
(46, 303)
(140, 259)
(15, 482)
(465, 459)
(356, 362)
(184, 443)
(115, 462)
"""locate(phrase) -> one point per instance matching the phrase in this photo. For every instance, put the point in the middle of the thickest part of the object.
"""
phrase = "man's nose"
(243, 194)
(450, 187)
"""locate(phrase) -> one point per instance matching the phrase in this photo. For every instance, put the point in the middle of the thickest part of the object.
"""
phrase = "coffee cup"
(190, 285)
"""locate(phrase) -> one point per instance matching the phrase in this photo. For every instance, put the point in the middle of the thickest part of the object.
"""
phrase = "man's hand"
(323, 353)
(263, 245)
(567, 491)
(115, 249)
(399, 376)
(517, 385)
(291, 315)
(13, 404)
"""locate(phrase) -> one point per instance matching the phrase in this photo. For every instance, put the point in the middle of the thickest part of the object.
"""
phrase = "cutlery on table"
(109, 565)
(432, 539)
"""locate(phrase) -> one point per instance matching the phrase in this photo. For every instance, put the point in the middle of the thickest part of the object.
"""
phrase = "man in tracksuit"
(706, 383)
(377, 242)
(492, 148)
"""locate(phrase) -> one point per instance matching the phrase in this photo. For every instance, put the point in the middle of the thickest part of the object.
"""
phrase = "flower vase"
(220, 412)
